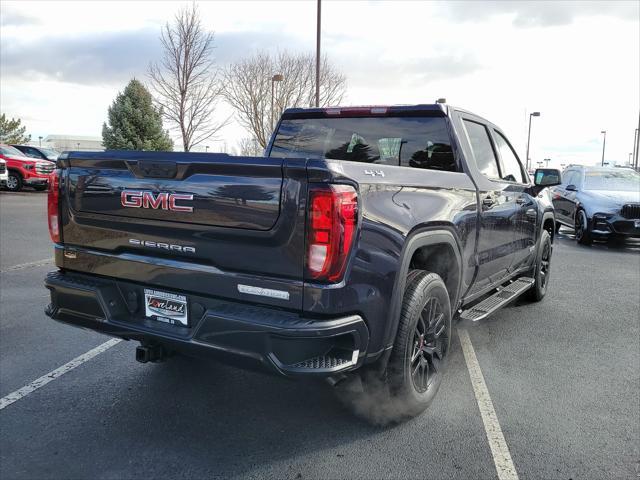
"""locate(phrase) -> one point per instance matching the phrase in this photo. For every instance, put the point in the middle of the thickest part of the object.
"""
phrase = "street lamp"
(78, 145)
(40, 140)
(534, 114)
(604, 142)
(278, 77)
(206, 148)
(547, 160)
(630, 161)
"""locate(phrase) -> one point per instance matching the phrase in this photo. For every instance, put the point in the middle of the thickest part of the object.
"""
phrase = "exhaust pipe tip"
(142, 354)
(149, 353)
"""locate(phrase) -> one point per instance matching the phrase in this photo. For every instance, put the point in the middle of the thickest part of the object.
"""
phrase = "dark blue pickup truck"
(346, 251)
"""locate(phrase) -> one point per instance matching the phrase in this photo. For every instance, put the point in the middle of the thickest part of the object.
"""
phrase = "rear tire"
(583, 233)
(14, 182)
(419, 356)
(541, 270)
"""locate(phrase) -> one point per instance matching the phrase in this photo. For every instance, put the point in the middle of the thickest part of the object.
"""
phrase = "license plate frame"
(166, 307)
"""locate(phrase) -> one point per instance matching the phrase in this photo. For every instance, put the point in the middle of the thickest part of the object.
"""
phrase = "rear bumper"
(246, 335)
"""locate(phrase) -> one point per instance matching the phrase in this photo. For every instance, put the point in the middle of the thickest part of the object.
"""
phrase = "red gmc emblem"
(163, 200)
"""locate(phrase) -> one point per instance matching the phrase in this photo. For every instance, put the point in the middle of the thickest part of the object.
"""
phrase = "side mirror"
(547, 177)
(571, 188)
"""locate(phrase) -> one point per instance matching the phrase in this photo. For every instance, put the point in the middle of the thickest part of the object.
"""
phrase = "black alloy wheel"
(541, 269)
(430, 344)
(583, 235)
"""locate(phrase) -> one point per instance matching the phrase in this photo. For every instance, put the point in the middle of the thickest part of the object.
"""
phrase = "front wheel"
(541, 269)
(14, 182)
(583, 234)
(419, 356)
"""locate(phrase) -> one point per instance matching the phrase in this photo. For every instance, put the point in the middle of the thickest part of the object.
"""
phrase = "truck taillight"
(53, 197)
(331, 228)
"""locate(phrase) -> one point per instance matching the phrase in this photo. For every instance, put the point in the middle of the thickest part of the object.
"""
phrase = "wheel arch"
(16, 171)
(548, 223)
(430, 247)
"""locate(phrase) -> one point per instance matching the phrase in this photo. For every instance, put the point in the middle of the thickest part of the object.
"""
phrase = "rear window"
(419, 142)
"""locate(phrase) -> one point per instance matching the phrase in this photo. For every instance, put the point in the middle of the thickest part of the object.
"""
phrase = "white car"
(4, 175)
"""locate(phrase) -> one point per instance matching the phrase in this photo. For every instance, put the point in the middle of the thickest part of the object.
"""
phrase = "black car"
(38, 152)
(598, 202)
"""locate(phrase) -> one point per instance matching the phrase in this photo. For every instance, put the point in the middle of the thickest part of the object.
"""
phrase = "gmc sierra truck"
(345, 252)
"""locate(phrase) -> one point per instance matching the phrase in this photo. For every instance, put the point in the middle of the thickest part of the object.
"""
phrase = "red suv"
(24, 170)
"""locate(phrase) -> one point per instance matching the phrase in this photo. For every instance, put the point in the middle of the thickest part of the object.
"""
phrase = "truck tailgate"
(190, 221)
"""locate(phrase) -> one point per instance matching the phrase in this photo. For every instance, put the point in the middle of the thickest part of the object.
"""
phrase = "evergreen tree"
(11, 131)
(134, 122)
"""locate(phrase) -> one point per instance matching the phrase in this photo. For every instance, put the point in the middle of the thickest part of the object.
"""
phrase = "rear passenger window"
(482, 149)
(511, 169)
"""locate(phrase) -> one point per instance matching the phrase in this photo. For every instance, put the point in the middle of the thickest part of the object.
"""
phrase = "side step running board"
(496, 301)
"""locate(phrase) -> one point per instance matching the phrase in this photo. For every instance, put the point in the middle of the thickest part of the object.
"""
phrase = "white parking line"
(37, 263)
(49, 377)
(499, 449)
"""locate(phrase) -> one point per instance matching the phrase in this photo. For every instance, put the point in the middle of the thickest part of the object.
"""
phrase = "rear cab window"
(410, 141)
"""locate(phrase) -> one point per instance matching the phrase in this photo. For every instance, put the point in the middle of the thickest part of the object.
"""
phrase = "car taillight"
(331, 227)
(53, 197)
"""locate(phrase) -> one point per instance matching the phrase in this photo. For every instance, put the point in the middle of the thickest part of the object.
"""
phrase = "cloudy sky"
(577, 62)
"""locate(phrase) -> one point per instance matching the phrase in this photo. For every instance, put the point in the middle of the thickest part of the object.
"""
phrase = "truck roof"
(366, 109)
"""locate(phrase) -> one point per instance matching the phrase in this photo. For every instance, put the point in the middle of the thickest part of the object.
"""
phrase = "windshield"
(421, 142)
(50, 153)
(7, 150)
(616, 180)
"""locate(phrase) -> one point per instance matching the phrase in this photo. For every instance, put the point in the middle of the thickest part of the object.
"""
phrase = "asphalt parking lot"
(563, 376)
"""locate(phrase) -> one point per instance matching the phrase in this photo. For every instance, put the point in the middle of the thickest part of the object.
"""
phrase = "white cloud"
(576, 62)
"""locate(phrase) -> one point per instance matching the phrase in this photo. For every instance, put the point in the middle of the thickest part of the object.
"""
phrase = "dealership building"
(71, 142)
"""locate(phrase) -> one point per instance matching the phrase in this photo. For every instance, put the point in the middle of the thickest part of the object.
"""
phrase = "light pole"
(636, 146)
(318, 22)
(40, 140)
(78, 145)
(278, 77)
(547, 160)
(534, 114)
(604, 143)
(206, 149)
(630, 161)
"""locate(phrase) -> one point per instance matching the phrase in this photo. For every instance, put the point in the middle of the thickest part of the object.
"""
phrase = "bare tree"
(185, 80)
(247, 87)
(249, 147)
